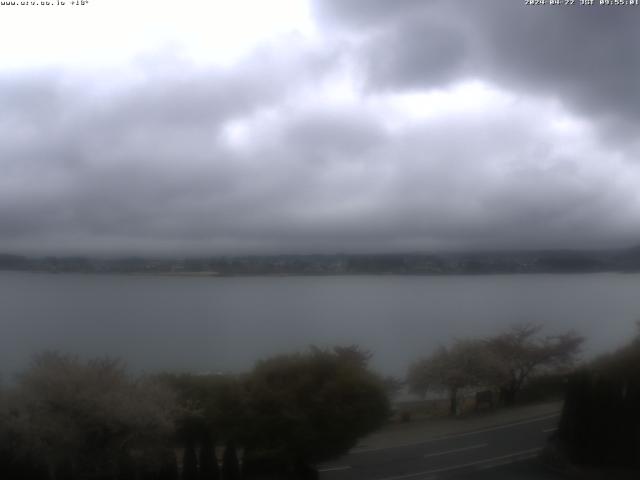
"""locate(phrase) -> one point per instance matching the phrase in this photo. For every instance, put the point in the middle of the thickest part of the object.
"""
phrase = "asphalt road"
(504, 452)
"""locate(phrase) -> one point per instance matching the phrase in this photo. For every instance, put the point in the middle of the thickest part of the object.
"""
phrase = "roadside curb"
(512, 458)
(364, 448)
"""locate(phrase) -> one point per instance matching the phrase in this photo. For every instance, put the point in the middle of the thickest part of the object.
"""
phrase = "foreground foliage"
(600, 423)
(75, 419)
(67, 419)
(504, 362)
(307, 408)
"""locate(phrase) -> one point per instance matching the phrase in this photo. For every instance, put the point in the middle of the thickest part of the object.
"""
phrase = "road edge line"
(456, 435)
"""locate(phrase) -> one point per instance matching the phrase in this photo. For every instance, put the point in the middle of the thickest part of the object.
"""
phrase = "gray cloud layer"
(585, 55)
(267, 156)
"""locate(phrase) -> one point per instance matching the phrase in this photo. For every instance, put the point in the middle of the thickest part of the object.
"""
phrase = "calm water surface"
(225, 324)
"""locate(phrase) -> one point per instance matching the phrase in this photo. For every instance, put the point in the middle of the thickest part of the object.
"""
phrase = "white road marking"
(547, 430)
(503, 459)
(334, 469)
(462, 449)
(457, 435)
(506, 459)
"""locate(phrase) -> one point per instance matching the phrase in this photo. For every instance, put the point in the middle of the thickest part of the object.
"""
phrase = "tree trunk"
(208, 461)
(51, 470)
(453, 402)
(190, 463)
(508, 395)
(230, 464)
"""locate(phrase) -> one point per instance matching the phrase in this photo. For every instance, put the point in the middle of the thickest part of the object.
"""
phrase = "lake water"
(225, 324)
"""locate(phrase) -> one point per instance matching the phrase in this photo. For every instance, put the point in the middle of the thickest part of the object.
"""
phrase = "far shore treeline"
(483, 262)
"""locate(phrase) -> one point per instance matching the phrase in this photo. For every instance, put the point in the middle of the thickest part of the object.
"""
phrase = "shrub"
(311, 407)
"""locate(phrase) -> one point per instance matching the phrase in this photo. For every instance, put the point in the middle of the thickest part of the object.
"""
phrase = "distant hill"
(547, 261)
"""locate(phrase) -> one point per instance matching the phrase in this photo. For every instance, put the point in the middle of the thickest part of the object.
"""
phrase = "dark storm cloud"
(587, 56)
(365, 13)
(394, 59)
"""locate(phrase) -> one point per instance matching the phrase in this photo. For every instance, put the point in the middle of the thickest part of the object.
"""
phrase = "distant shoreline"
(422, 264)
(288, 275)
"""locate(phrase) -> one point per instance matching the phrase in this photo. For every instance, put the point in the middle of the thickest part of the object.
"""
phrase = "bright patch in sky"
(109, 32)
(467, 97)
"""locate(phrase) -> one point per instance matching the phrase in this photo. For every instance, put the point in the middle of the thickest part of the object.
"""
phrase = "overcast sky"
(207, 127)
